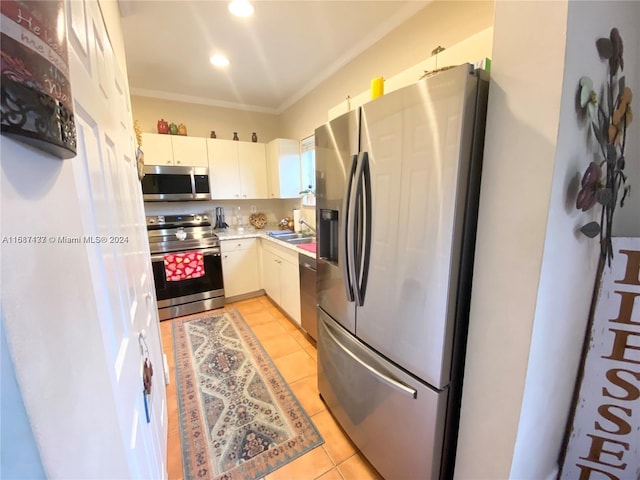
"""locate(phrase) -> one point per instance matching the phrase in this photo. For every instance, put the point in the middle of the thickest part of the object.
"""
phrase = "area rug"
(239, 420)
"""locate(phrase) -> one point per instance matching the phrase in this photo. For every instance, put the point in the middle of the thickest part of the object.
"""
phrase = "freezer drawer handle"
(401, 387)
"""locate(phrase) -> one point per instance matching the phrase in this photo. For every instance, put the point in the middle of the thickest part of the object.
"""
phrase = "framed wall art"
(37, 106)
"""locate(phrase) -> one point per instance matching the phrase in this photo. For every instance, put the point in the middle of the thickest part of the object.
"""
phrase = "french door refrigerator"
(397, 193)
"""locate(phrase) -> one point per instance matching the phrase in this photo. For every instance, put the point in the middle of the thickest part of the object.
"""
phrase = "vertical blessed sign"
(37, 106)
(604, 440)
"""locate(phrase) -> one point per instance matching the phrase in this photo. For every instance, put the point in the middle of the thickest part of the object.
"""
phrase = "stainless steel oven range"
(187, 267)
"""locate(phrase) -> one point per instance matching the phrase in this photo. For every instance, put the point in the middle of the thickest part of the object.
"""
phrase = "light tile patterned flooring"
(295, 356)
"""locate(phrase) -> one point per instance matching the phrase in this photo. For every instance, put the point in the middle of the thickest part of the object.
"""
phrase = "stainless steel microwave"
(166, 183)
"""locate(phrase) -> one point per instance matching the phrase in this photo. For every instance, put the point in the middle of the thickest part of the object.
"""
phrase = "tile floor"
(295, 356)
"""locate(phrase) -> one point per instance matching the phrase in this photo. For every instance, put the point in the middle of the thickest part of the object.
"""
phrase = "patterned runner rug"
(238, 417)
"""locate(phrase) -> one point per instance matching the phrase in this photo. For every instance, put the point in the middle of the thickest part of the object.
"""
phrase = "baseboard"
(554, 474)
(244, 296)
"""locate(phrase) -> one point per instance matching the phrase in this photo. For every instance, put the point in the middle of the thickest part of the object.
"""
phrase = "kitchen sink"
(300, 240)
(287, 235)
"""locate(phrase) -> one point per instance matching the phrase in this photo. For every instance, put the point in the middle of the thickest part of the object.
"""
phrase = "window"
(308, 163)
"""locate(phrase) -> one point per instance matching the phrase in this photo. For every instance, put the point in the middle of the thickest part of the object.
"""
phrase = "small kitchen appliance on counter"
(179, 236)
(220, 221)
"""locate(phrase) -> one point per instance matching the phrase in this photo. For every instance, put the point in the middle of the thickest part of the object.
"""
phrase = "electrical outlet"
(253, 209)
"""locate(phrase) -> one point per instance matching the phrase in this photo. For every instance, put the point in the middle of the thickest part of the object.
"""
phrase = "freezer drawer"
(396, 421)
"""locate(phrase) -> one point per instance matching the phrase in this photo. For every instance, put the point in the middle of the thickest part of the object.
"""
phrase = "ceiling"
(277, 56)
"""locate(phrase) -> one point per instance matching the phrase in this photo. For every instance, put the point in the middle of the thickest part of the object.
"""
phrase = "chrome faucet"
(304, 222)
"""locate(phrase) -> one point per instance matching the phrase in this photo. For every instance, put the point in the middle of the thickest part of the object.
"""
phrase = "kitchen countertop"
(234, 234)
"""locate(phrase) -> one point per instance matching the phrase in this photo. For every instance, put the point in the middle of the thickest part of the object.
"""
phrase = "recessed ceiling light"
(241, 8)
(219, 60)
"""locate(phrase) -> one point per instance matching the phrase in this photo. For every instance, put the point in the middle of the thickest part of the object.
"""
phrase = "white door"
(106, 175)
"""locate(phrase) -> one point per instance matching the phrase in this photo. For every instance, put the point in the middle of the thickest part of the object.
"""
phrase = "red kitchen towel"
(181, 266)
(309, 247)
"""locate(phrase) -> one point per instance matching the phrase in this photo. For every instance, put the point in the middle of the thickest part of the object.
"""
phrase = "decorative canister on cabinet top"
(213, 134)
(254, 137)
(182, 129)
(235, 136)
(163, 126)
(173, 129)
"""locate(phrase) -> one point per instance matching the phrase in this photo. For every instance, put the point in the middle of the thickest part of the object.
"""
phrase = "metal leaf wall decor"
(604, 183)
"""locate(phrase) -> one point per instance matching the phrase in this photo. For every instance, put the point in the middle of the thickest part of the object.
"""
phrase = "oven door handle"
(206, 251)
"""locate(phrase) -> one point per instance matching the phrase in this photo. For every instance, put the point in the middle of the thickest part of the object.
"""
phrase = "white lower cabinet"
(240, 266)
(280, 278)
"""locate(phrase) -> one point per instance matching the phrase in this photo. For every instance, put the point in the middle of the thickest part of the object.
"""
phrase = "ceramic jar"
(163, 126)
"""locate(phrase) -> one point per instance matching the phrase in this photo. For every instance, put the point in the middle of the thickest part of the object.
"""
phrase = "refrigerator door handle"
(363, 200)
(401, 387)
(347, 233)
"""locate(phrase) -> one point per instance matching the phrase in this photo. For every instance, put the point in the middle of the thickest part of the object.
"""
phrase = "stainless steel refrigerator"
(397, 193)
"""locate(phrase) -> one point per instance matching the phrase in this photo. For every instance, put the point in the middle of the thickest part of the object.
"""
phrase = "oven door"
(172, 293)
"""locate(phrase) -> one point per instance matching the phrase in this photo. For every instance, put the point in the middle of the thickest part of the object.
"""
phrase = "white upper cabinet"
(237, 170)
(224, 173)
(253, 170)
(157, 149)
(162, 149)
(283, 166)
(190, 151)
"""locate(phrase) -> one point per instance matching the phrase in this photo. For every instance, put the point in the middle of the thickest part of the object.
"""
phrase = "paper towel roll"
(377, 87)
(296, 220)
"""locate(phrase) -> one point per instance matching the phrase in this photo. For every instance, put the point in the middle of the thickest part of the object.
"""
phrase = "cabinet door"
(240, 266)
(273, 171)
(190, 151)
(290, 289)
(271, 275)
(253, 170)
(223, 169)
(157, 149)
(283, 162)
(240, 269)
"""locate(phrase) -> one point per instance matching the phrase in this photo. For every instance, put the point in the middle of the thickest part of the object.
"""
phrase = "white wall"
(51, 320)
(19, 456)
(522, 128)
(534, 275)
(570, 259)
(275, 210)
(443, 23)
(201, 119)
